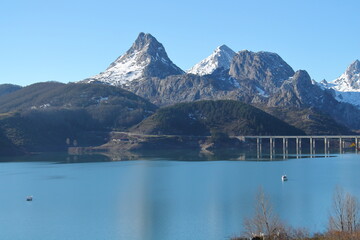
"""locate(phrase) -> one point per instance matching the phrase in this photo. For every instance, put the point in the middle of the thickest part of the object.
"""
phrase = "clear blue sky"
(66, 41)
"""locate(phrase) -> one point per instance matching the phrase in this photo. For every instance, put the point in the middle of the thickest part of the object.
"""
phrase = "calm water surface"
(163, 198)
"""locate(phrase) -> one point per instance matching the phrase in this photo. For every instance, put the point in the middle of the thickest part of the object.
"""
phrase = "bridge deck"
(307, 137)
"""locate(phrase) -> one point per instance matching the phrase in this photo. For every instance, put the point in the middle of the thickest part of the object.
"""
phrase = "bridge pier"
(340, 145)
(297, 147)
(325, 145)
(284, 150)
(287, 146)
(271, 147)
(356, 145)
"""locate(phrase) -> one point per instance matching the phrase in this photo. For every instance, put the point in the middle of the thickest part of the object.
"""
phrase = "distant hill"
(110, 106)
(311, 121)
(8, 88)
(7, 147)
(204, 117)
(52, 116)
(49, 131)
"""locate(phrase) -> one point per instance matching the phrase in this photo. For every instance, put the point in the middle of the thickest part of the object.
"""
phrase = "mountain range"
(262, 79)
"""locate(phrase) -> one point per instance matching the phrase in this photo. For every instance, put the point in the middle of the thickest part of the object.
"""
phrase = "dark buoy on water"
(29, 198)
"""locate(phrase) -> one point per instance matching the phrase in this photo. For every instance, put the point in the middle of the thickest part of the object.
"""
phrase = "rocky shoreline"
(123, 141)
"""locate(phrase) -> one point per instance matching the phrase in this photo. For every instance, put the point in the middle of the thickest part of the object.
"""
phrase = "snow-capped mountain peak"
(347, 86)
(146, 58)
(350, 80)
(221, 57)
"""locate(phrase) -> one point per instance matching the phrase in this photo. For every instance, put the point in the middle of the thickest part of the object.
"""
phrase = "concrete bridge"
(299, 140)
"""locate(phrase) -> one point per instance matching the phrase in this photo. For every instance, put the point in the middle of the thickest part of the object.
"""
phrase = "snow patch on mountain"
(262, 92)
(348, 97)
(221, 57)
(126, 69)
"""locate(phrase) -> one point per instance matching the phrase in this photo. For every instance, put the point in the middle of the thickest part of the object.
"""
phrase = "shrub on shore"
(344, 221)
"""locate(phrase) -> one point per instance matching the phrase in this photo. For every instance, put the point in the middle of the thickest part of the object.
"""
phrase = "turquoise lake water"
(162, 197)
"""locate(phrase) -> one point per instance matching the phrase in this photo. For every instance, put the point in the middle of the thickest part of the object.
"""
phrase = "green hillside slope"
(43, 116)
(204, 117)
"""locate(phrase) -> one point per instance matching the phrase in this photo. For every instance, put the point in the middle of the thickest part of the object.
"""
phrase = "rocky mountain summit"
(146, 58)
(265, 69)
(220, 58)
(300, 92)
